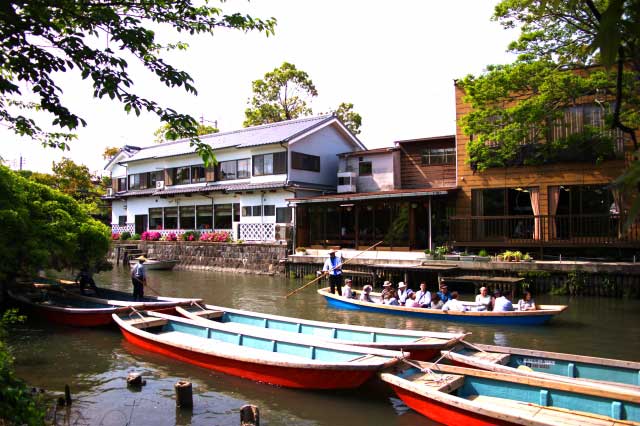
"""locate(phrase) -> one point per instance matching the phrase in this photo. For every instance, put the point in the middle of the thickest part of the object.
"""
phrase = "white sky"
(395, 61)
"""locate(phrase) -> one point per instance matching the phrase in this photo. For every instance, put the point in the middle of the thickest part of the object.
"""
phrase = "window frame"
(365, 173)
(300, 161)
(438, 156)
(236, 174)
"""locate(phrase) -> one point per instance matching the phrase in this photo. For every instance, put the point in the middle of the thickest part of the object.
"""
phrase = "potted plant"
(439, 252)
(466, 257)
(429, 254)
(517, 256)
(527, 258)
(482, 256)
(448, 254)
(301, 250)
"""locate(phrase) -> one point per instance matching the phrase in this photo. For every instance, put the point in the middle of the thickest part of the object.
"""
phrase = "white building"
(166, 187)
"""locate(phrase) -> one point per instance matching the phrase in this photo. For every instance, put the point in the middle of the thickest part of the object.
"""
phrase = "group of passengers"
(443, 299)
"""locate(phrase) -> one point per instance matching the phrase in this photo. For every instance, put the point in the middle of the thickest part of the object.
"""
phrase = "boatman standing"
(139, 278)
(333, 267)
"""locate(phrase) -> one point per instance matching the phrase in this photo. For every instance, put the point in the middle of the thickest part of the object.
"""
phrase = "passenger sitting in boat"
(386, 288)
(527, 303)
(484, 298)
(365, 296)
(501, 303)
(423, 296)
(412, 301)
(403, 293)
(346, 290)
(444, 292)
(454, 304)
(84, 279)
(436, 302)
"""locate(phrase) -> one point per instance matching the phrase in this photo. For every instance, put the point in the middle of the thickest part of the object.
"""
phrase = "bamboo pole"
(330, 270)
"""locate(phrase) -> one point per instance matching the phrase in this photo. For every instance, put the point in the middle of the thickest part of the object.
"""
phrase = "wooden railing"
(544, 230)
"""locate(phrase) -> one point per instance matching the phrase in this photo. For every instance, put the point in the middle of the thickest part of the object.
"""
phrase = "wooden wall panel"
(415, 175)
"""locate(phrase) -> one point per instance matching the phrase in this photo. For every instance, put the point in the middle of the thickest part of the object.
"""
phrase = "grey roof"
(243, 138)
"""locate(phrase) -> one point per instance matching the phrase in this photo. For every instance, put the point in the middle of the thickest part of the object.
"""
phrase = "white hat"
(348, 280)
(367, 288)
(401, 284)
(386, 284)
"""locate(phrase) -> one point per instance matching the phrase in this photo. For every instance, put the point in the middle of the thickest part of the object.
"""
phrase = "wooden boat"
(539, 316)
(551, 365)
(66, 309)
(423, 345)
(461, 396)
(255, 354)
(159, 264)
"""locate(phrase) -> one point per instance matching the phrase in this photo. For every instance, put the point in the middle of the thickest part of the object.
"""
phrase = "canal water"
(95, 362)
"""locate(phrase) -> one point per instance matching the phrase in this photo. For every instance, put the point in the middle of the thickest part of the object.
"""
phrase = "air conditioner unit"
(109, 192)
(160, 184)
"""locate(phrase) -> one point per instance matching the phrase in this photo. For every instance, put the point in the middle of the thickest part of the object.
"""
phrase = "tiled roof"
(242, 138)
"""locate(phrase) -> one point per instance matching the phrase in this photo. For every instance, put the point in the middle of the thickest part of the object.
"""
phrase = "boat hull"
(321, 379)
(488, 318)
(74, 319)
(444, 413)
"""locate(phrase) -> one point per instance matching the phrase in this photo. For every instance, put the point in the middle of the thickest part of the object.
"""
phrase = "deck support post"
(184, 394)
(135, 380)
(249, 415)
(67, 395)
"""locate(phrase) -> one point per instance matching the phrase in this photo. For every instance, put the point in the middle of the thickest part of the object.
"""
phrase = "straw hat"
(332, 251)
(141, 258)
(386, 284)
(401, 284)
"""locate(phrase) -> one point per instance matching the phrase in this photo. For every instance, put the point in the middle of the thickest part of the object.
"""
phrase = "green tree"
(283, 94)
(565, 52)
(351, 119)
(166, 133)
(42, 228)
(40, 39)
(110, 152)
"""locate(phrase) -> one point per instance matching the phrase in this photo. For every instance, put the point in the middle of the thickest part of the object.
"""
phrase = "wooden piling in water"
(67, 395)
(184, 394)
(249, 415)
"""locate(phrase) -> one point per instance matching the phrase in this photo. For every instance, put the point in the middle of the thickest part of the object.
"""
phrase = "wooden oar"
(331, 270)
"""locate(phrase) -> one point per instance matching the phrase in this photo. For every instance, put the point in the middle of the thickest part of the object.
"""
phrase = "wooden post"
(249, 415)
(135, 380)
(67, 395)
(184, 394)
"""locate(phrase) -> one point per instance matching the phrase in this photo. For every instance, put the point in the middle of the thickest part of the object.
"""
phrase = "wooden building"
(568, 204)
(402, 195)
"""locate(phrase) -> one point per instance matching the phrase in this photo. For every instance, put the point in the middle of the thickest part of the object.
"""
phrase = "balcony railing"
(544, 230)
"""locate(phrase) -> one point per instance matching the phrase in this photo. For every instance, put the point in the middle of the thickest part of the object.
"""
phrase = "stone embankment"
(198, 255)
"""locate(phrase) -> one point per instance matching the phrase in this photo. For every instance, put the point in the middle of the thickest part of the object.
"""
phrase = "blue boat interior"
(314, 330)
(302, 350)
(575, 369)
(530, 394)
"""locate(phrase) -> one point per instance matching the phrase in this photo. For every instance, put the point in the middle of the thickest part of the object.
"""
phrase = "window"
(283, 215)
(198, 174)
(234, 169)
(204, 217)
(222, 216)
(139, 181)
(155, 177)
(187, 217)
(122, 220)
(344, 180)
(155, 218)
(246, 211)
(270, 164)
(171, 218)
(365, 168)
(433, 156)
(257, 210)
(302, 161)
(181, 175)
(270, 210)
(236, 212)
(122, 184)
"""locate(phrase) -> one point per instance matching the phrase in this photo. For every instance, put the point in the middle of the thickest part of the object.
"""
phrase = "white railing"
(258, 231)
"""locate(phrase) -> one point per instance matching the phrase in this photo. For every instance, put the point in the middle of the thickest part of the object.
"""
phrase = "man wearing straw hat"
(139, 278)
(333, 267)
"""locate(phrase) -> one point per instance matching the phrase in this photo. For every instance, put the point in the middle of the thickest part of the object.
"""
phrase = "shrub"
(190, 236)
(216, 237)
(115, 236)
(171, 237)
(135, 236)
(150, 236)
(126, 235)
(483, 253)
(301, 249)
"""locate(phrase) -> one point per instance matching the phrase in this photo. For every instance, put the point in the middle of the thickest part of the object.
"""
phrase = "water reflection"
(95, 362)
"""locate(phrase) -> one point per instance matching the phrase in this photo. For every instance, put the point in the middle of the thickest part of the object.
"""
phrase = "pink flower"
(115, 236)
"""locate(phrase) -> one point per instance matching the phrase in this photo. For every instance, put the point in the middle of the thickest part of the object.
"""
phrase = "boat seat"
(492, 357)
(551, 415)
(209, 314)
(446, 383)
(146, 322)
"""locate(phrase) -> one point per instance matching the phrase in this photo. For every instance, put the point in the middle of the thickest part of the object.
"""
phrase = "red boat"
(256, 355)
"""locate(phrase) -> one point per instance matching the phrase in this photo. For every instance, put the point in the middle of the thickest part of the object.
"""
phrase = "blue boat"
(456, 396)
(533, 317)
(552, 365)
(423, 345)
